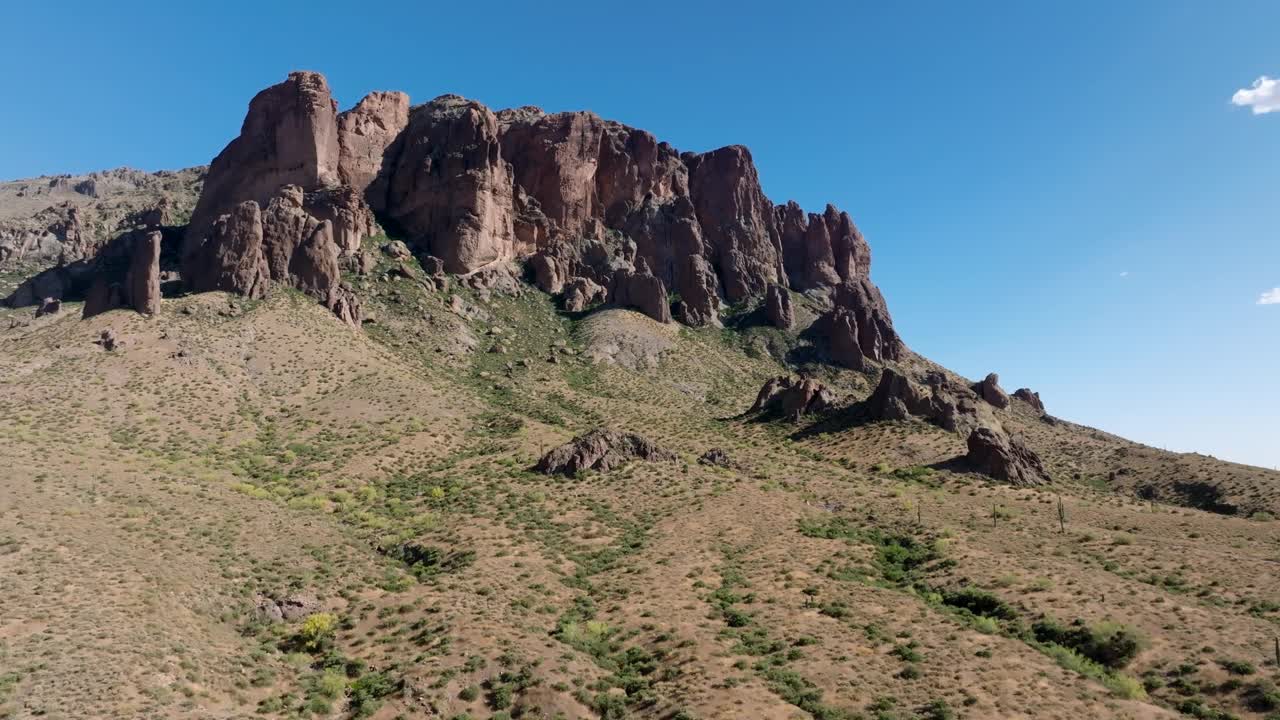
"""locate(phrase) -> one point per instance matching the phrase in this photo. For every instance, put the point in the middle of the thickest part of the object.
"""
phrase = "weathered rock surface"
(642, 291)
(989, 389)
(859, 328)
(450, 189)
(143, 279)
(64, 219)
(364, 134)
(951, 407)
(777, 307)
(581, 293)
(1030, 397)
(289, 137)
(600, 450)
(284, 609)
(993, 453)
(793, 398)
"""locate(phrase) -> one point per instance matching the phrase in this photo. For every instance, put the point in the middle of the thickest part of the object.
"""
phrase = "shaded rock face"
(1030, 397)
(897, 397)
(993, 453)
(821, 250)
(450, 189)
(793, 399)
(143, 279)
(642, 291)
(777, 307)
(989, 389)
(600, 450)
(859, 329)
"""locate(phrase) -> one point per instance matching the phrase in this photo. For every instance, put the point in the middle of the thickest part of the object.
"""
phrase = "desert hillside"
(454, 413)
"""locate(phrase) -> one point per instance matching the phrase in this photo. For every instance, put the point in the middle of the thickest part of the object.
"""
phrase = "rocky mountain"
(440, 411)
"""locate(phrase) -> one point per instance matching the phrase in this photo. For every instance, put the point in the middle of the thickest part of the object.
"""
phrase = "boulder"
(49, 306)
(600, 450)
(717, 458)
(642, 291)
(289, 608)
(581, 293)
(777, 307)
(792, 398)
(989, 389)
(1031, 398)
(994, 453)
(143, 278)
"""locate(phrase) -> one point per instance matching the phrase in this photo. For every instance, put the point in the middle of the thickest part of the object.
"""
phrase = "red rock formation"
(364, 134)
(989, 389)
(231, 258)
(737, 220)
(289, 137)
(642, 291)
(859, 327)
(1028, 396)
(450, 189)
(792, 398)
(777, 307)
(143, 279)
(586, 197)
(1005, 458)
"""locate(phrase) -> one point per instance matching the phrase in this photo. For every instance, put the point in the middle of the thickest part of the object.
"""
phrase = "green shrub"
(1108, 644)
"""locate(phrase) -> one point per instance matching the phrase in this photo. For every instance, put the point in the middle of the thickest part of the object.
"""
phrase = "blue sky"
(1063, 193)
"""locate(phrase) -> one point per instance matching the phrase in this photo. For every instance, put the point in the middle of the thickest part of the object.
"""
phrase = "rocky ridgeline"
(600, 212)
(598, 209)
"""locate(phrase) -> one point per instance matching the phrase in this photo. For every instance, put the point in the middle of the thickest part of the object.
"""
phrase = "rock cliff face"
(671, 234)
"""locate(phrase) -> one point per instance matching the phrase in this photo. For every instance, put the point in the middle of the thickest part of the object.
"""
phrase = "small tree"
(317, 630)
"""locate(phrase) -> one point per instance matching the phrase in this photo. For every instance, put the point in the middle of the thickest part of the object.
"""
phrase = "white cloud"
(1124, 273)
(1263, 97)
(1270, 297)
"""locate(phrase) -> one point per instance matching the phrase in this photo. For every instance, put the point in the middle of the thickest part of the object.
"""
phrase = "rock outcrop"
(271, 190)
(989, 389)
(951, 406)
(600, 450)
(858, 327)
(792, 398)
(582, 196)
(1000, 456)
(1028, 396)
(66, 219)
(581, 293)
(143, 279)
(777, 307)
(642, 291)
(364, 134)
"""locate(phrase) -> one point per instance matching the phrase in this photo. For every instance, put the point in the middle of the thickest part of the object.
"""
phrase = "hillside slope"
(231, 451)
